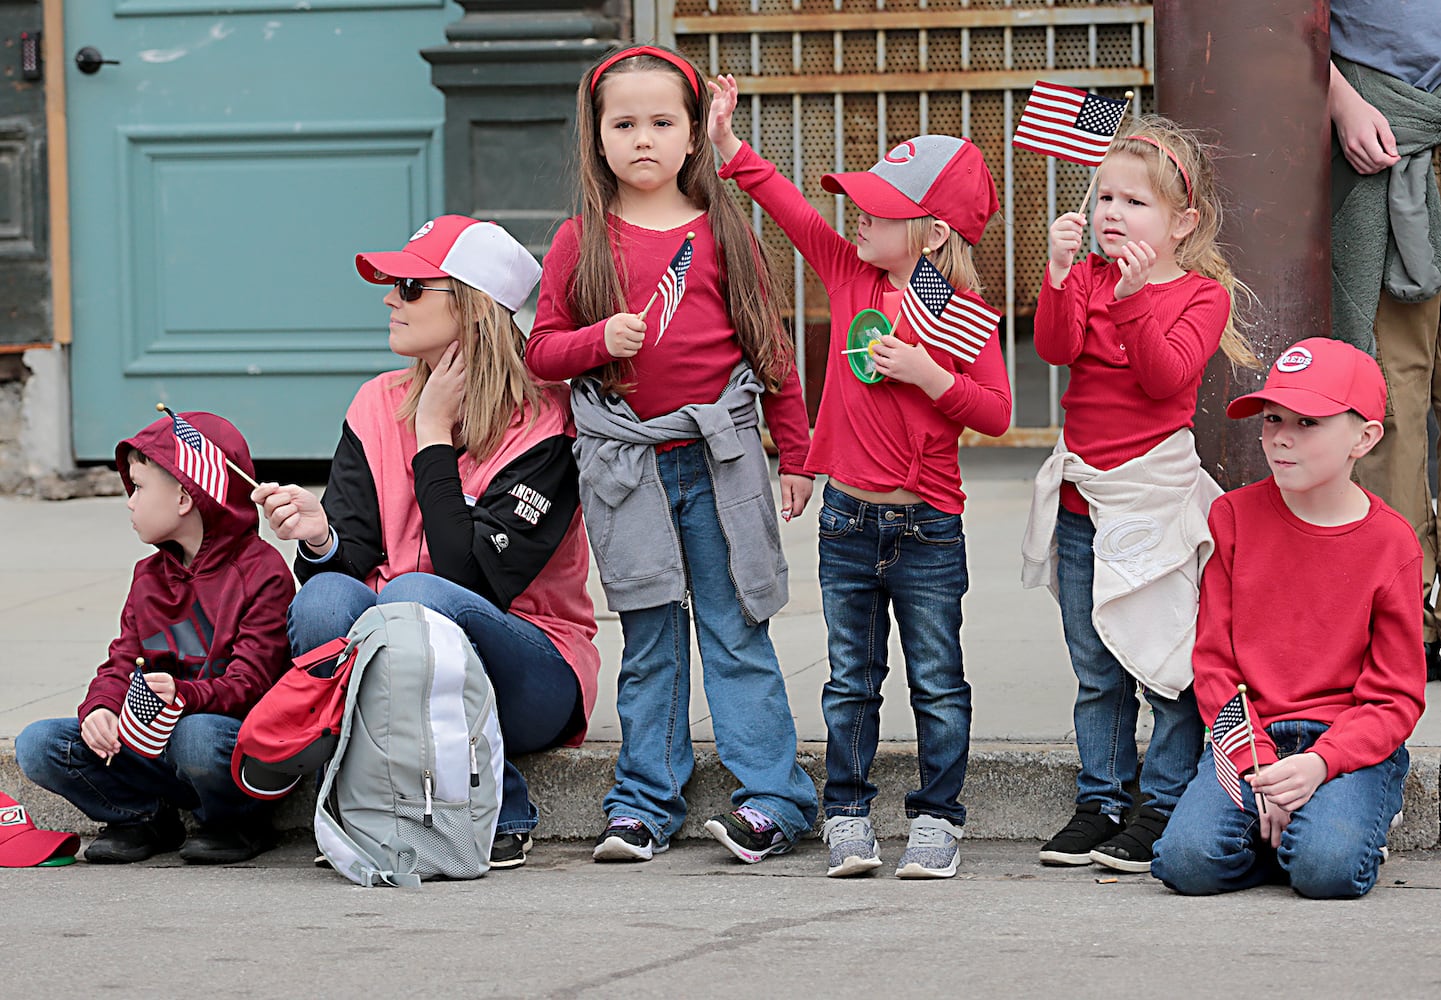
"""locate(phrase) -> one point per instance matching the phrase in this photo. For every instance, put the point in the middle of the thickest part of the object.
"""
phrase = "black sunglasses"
(410, 289)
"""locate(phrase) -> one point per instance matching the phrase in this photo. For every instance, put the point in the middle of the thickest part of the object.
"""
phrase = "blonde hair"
(746, 279)
(953, 258)
(499, 389)
(1155, 140)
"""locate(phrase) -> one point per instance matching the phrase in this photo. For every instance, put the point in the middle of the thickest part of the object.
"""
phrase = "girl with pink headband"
(1118, 520)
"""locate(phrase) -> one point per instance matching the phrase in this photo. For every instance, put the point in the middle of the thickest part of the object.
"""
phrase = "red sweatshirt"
(1136, 364)
(887, 435)
(693, 360)
(1320, 623)
(217, 625)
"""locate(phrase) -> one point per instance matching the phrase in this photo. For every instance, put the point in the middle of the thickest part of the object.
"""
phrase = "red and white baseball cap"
(23, 846)
(481, 254)
(1319, 377)
(936, 175)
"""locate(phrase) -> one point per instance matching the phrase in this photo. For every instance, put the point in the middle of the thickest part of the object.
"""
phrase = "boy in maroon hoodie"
(206, 613)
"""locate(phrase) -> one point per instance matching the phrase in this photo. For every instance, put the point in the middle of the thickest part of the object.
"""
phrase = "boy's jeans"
(912, 558)
(1330, 849)
(754, 732)
(1106, 706)
(192, 773)
(536, 693)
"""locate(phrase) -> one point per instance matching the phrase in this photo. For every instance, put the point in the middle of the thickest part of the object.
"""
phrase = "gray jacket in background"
(627, 515)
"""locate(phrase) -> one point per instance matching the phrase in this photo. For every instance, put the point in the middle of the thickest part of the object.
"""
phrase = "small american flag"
(1072, 124)
(672, 284)
(1228, 733)
(945, 318)
(146, 722)
(199, 458)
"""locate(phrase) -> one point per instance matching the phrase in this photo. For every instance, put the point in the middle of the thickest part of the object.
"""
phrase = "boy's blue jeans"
(754, 732)
(912, 558)
(192, 773)
(1330, 850)
(1106, 707)
(536, 693)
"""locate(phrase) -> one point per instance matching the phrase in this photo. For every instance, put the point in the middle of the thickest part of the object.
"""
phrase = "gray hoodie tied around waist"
(627, 515)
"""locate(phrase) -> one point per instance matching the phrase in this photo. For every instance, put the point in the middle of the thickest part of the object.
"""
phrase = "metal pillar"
(1255, 73)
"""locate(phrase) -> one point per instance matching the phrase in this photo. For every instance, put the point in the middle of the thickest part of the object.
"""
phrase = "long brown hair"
(747, 283)
(1152, 137)
(499, 389)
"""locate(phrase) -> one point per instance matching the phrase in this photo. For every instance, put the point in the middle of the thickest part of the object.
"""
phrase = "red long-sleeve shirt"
(691, 362)
(1136, 363)
(1320, 623)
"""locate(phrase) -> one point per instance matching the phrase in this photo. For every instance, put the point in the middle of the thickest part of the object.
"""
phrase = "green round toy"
(869, 326)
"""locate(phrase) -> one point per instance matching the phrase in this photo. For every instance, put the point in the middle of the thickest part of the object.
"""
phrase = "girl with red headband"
(657, 302)
(1118, 520)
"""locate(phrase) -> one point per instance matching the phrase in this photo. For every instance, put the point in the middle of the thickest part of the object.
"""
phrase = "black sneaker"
(748, 834)
(626, 839)
(1433, 662)
(1088, 828)
(216, 845)
(127, 843)
(508, 850)
(1131, 850)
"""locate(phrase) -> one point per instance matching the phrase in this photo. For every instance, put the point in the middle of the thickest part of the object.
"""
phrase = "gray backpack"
(414, 788)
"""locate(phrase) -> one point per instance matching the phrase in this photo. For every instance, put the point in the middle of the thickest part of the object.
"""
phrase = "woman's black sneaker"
(1087, 830)
(508, 850)
(1132, 849)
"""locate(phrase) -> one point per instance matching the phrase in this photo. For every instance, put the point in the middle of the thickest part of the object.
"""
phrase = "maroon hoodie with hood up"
(217, 625)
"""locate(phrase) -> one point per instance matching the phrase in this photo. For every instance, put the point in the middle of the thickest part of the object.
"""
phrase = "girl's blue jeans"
(536, 693)
(1106, 706)
(1330, 849)
(910, 558)
(754, 732)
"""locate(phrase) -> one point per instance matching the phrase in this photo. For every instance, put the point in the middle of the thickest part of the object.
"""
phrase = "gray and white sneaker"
(852, 841)
(933, 850)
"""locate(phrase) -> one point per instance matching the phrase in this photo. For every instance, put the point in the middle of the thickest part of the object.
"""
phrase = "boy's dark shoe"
(1131, 850)
(228, 845)
(1088, 828)
(127, 843)
(508, 850)
(1433, 661)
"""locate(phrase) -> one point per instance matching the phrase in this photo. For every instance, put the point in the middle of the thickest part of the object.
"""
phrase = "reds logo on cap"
(1295, 360)
(903, 153)
(422, 231)
(13, 816)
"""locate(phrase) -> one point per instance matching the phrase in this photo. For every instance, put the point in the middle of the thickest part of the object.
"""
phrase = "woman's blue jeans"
(1330, 850)
(910, 558)
(536, 693)
(1106, 706)
(754, 732)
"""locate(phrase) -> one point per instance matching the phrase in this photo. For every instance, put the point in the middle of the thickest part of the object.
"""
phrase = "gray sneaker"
(852, 841)
(933, 850)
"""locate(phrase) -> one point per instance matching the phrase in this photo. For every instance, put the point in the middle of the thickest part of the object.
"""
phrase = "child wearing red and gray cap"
(890, 520)
(1311, 602)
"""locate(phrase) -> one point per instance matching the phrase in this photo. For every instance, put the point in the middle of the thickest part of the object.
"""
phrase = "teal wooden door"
(222, 177)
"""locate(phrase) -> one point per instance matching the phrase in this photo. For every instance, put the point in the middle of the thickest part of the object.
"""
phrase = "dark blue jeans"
(910, 558)
(1106, 706)
(536, 693)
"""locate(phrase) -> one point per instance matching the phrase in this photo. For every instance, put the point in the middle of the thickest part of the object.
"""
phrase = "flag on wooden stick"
(952, 321)
(1068, 123)
(1229, 732)
(146, 722)
(672, 285)
(200, 458)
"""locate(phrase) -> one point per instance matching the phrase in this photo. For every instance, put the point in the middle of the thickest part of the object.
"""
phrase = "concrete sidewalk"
(69, 569)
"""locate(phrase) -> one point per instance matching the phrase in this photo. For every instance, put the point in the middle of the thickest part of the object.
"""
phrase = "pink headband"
(648, 50)
(1184, 176)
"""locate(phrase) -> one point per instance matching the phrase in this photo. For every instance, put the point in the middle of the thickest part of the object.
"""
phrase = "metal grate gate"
(832, 85)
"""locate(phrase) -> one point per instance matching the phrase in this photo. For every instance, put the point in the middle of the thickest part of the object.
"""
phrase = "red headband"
(648, 50)
(1184, 176)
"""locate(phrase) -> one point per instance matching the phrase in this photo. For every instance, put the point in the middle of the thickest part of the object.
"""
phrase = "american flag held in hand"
(146, 722)
(199, 458)
(672, 284)
(1068, 123)
(1228, 733)
(945, 318)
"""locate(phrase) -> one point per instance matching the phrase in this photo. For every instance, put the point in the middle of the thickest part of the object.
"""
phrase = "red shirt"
(887, 435)
(1136, 364)
(694, 358)
(1320, 623)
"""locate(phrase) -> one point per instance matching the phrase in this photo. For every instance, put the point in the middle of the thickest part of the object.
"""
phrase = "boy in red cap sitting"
(1308, 658)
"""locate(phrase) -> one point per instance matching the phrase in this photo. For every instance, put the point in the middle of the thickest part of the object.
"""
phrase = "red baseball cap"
(938, 175)
(1319, 377)
(481, 254)
(23, 846)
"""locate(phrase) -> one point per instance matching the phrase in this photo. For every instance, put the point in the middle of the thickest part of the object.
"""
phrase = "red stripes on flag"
(146, 722)
(1071, 124)
(956, 322)
(672, 284)
(200, 459)
(1228, 734)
